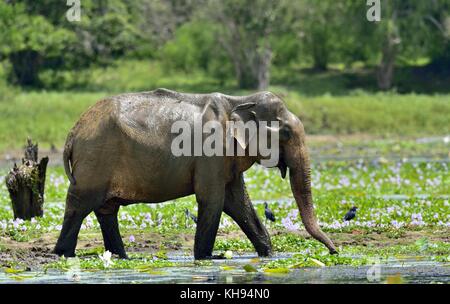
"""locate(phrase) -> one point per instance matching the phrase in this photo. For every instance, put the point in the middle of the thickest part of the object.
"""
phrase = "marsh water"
(410, 271)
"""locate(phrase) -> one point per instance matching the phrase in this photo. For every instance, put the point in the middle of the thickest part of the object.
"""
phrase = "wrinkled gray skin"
(119, 153)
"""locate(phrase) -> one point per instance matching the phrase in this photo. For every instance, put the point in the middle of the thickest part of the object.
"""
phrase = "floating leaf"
(227, 268)
(298, 265)
(20, 277)
(200, 278)
(317, 262)
(145, 268)
(13, 271)
(280, 270)
(155, 272)
(249, 268)
(395, 279)
(255, 260)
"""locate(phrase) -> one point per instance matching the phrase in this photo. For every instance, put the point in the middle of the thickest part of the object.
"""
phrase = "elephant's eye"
(285, 132)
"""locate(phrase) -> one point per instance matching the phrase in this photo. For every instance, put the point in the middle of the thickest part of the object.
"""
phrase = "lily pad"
(250, 268)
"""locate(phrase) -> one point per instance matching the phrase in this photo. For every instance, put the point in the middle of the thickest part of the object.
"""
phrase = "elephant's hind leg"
(107, 217)
(73, 218)
(239, 207)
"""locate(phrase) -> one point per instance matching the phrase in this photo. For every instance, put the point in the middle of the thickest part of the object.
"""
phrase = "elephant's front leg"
(240, 208)
(210, 194)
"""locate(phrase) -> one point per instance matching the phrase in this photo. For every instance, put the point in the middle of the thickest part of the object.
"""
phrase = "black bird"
(190, 215)
(351, 214)
(268, 213)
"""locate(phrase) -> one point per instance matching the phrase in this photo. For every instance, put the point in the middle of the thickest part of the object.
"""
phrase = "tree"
(317, 23)
(405, 28)
(439, 46)
(325, 28)
(246, 27)
(39, 36)
(27, 40)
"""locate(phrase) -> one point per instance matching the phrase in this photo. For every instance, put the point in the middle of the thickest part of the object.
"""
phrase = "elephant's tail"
(67, 158)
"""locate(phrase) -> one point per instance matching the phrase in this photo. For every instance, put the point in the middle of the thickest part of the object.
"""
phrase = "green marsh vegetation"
(415, 226)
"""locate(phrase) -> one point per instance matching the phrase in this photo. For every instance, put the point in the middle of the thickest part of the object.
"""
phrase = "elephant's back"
(127, 138)
(148, 117)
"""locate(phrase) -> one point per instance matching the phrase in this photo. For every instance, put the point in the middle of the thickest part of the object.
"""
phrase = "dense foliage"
(230, 39)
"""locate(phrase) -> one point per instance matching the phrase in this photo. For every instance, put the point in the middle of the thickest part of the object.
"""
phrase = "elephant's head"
(293, 153)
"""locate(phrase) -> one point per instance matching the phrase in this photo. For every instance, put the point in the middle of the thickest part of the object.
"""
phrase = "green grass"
(48, 116)
(380, 114)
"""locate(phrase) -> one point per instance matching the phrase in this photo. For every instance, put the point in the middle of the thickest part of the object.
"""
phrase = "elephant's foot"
(123, 256)
(59, 250)
(118, 249)
(110, 230)
(265, 252)
(211, 257)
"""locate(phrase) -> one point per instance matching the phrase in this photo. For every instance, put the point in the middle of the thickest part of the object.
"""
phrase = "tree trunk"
(26, 66)
(385, 73)
(252, 69)
(26, 184)
(264, 69)
(320, 52)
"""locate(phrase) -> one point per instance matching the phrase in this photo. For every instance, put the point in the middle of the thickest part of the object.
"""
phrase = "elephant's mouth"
(281, 165)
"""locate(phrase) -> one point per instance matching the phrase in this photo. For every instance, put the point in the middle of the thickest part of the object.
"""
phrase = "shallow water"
(409, 270)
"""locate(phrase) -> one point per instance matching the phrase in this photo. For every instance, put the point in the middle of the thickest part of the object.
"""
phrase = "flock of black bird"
(271, 216)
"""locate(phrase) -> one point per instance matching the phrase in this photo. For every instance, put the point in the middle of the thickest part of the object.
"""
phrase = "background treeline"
(248, 42)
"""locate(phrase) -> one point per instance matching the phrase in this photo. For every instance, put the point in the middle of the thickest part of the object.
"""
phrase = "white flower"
(228, 254)
(106, 259)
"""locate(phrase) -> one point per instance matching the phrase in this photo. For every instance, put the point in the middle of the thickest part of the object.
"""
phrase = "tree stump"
(26, 184)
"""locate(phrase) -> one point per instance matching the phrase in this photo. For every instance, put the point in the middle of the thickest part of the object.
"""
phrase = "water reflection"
(405, 270)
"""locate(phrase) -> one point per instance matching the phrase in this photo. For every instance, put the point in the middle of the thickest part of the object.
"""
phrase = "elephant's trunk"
(300, 177)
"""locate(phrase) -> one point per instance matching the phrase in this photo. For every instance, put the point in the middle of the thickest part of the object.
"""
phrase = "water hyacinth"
(416, 219)
(289, 224)
(225, 223)
(396, 224)
(422, 189)
(288, 221)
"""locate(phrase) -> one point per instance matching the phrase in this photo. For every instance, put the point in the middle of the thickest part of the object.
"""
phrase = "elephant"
(119, 153)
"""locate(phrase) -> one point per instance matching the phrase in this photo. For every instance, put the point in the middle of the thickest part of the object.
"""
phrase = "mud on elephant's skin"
(119, 153)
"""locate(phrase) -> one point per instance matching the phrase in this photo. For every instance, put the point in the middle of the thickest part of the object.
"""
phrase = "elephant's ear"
(241, 114)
